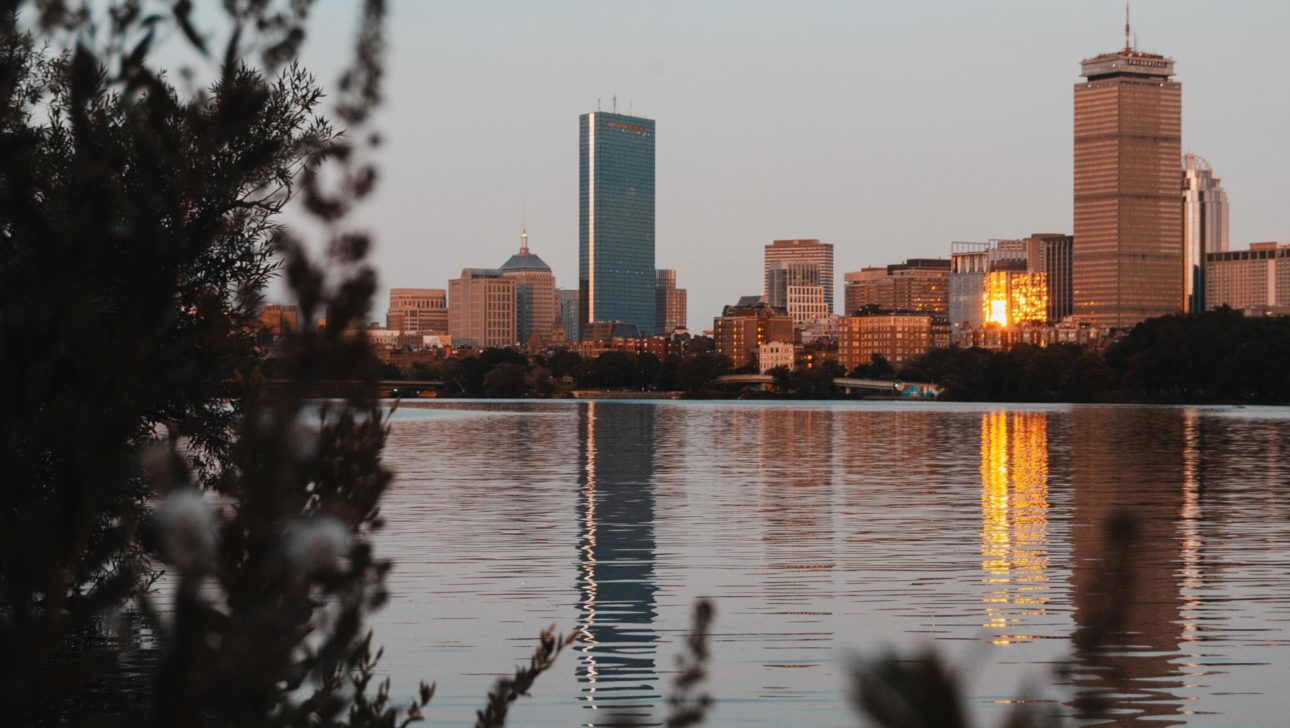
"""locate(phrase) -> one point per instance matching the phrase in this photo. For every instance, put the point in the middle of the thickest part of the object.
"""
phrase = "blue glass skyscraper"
(616, 219)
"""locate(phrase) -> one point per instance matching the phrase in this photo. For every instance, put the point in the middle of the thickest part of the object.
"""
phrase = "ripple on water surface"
(823, 529)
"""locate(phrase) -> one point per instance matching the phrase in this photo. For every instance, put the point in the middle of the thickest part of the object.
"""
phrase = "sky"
(887, 128)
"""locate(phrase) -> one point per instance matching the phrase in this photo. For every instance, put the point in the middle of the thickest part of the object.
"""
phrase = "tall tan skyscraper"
(1128, 251)
(481, 308)
(1204, 226)
(812, 251)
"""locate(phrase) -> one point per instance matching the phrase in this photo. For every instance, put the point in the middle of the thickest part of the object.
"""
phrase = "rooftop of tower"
(1127, 62)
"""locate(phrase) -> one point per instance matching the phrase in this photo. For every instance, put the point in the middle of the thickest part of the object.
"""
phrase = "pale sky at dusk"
(886, 128)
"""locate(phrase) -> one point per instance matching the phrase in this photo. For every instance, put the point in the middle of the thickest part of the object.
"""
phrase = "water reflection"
(616, 664)
(824, 528)
(1014, 521)
(1128, 461)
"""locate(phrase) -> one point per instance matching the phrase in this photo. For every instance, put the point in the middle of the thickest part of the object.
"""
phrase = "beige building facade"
(537, 309)
(418, 310)
(669, 303)
(920, 284)
(1205, 226)
(481, 309)
(1255, 280)
(804, 250)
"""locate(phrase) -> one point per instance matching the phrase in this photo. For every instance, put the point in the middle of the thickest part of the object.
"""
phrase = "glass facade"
(616, 219)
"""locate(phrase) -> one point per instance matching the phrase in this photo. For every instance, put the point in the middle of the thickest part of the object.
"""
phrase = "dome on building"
(524, 260)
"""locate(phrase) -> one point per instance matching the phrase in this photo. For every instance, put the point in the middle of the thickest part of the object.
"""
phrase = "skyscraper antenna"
(597, 103)
(615, 107)
(524, 231)
(1127, 45)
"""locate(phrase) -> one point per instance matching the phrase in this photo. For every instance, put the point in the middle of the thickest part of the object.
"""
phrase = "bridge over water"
(907, 390)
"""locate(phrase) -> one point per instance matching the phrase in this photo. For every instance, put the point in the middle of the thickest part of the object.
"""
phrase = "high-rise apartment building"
(1205, 226)
(1255, 280)
(1128, 252)
(616, 276)
(810, 251)
(918, 284)
(669, 303)
(481, 308)
(795, 286)
(418, 310)
(567, 300)
(536, 308)
(1053, 255)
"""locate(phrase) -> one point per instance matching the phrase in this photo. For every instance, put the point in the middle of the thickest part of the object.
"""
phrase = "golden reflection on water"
(1014, 521)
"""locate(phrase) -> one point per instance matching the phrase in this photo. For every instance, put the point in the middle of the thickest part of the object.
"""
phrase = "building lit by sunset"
(1128, 254)
(1011, 298)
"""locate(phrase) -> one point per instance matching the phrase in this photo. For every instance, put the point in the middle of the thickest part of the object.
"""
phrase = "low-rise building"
(747, 325)
(1256, 280)
(918, 284)
(775, 354)
(896, 336)
(418, 310)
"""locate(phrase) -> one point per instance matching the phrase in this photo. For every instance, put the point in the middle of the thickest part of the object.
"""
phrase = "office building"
(616, 276)
(744, 327)
(669, 303)
(536, 309)
(969, 265)
(567, 301)
(810, 251)
(918, 284)
(794, 285)
(1014, 298)
(1053, 255)
(481, 309)
(418, 310)
(1205, 226)
(1256, 281)
(1128, 252)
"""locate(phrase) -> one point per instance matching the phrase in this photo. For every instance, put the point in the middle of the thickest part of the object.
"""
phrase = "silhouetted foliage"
(698, 374)
(1215, 356)
(877, 368)
(508, 690)
(137, 231)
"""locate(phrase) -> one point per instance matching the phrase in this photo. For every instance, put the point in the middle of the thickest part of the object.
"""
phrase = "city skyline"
(811, 111)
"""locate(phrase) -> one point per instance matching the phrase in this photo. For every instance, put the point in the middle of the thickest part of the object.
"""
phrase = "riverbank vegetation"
(1217, 356)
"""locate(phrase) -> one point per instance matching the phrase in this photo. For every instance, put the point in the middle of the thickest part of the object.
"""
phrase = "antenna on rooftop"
(1127, 45)
(597, 103)
(524, 231)
(615, 103)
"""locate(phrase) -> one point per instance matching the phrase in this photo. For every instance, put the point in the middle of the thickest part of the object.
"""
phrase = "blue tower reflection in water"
(1014, 522)
(616, 649)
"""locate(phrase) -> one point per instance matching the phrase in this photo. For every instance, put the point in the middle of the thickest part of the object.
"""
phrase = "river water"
(828, 532)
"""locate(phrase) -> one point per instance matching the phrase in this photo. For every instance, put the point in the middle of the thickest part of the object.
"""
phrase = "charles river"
(826, 532)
